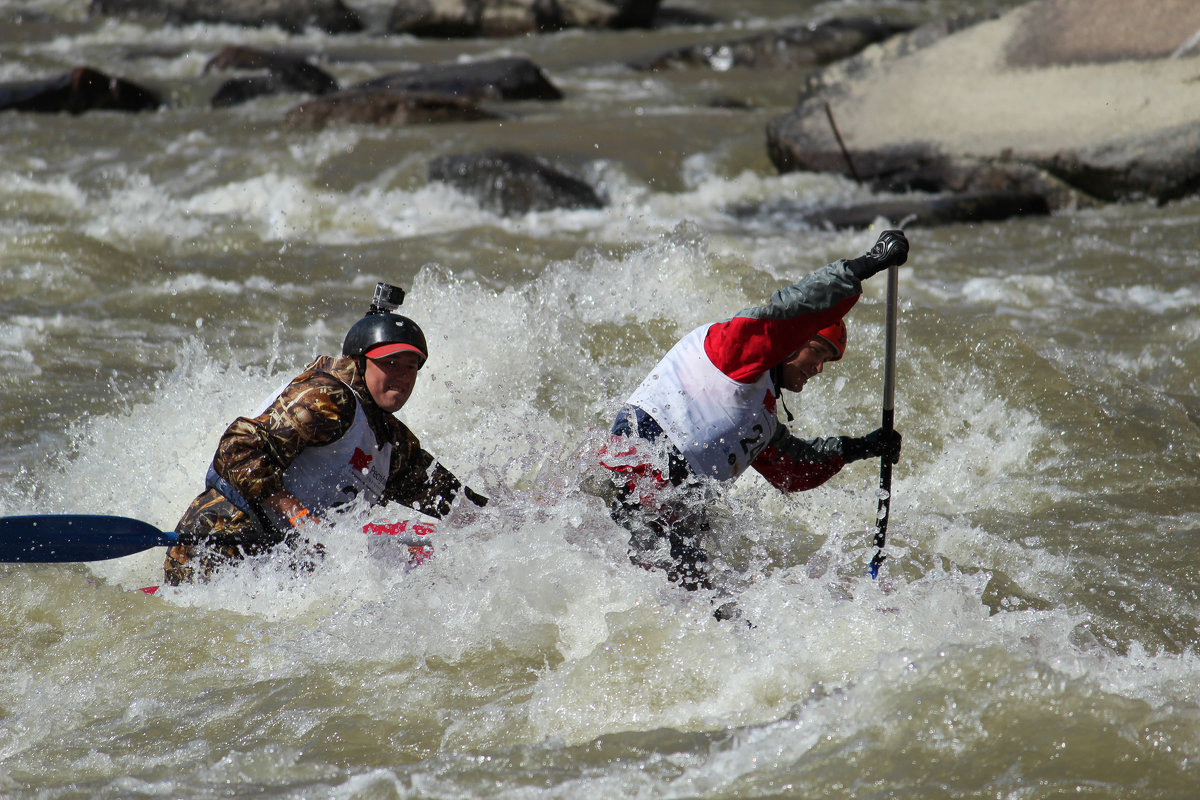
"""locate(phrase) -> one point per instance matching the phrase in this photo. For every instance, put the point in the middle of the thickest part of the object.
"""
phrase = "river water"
(1035, 632)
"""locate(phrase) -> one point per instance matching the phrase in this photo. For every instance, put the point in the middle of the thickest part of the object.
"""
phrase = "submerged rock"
(513, 183)
(680, 16)
(808, 45)
(449, 92)
(915, 211)
(331, 16)
(82, 89)
(383, 107)
(285, 72)
(472, 18)
(1098, 94)
(512, 78)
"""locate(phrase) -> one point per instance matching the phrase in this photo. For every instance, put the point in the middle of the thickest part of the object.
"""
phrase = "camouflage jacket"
(315, 409)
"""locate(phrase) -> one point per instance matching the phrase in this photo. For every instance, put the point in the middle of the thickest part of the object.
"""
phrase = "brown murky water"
(163, 272)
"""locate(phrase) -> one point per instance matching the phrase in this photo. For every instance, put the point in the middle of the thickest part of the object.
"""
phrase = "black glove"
(890, 250)
(876, 444)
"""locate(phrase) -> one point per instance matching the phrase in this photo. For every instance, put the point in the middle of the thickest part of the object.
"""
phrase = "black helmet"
(381, 332)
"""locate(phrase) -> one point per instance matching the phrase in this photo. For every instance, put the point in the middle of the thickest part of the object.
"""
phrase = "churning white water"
(1033, 632)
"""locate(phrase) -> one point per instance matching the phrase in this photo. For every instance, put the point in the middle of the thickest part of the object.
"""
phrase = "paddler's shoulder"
(331, 371)
(339, 379)
(346, 369)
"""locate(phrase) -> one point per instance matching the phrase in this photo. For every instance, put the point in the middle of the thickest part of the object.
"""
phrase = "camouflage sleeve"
(418, 481)
(313, 410)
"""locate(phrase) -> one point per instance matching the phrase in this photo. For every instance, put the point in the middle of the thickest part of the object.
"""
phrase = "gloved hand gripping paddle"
(890, 250)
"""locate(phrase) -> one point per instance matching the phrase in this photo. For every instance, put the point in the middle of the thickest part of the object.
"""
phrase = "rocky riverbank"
(1074, 100)
(1057, 103)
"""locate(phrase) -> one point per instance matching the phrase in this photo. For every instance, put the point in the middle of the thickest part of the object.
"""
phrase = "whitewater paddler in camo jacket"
(706, 413)
(327, 439)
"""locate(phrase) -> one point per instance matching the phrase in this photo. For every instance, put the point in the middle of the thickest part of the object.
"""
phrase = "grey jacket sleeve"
(818, 291)
(808, 451)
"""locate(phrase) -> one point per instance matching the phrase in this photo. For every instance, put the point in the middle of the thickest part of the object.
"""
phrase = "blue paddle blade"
(56, 538)
(876, 563)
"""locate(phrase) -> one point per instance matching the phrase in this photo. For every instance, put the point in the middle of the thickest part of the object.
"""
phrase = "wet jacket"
(720, 414)
(315, 410)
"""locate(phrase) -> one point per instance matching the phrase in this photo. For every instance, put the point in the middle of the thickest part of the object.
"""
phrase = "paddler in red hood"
(707, 412)
(325, 439)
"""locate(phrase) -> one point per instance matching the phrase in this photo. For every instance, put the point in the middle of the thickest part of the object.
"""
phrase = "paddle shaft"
(889, 414)
(66, 538)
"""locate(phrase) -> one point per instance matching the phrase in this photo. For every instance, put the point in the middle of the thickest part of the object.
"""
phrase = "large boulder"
(1100, 95)
(82, 89)
(331, 16)
(1103, 31)
(509, 78)
(471, 18)
(803, 46)
(513, 183)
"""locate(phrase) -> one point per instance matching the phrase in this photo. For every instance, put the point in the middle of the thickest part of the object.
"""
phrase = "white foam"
(1147, 298)
(539, 578)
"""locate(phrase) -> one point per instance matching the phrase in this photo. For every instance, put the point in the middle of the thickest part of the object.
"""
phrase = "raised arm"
(758, 338)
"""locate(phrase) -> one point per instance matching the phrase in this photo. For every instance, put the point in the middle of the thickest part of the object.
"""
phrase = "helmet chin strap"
(776, 377)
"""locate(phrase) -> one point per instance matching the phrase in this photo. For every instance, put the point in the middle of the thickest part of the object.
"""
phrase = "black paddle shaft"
(889, 405)
(885, 489)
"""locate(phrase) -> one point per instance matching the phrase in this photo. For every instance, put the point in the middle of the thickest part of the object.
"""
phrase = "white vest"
(325, 477)
(352, 467)
(719, 424)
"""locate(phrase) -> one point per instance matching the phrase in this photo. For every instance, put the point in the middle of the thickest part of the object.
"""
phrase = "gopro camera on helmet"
(387, 299)
(384, 332)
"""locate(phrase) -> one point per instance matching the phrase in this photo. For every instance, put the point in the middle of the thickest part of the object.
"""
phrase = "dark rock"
(511, 78)
(810, 45)
(294, 16)
(286, 72)
(913, 211)
(474, 18)
(626, 14)
(729, 103)
(236, 91)
(295, 71)
(383, 107)
(82, 89)
(968, 176)
(512, 183)
(919, 168)
(678, 17)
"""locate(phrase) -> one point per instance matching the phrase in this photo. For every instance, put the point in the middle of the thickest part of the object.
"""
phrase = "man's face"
(390, 380)
(806, 362)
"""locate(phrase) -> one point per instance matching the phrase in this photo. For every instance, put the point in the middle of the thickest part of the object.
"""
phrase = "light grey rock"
(1101, 95)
